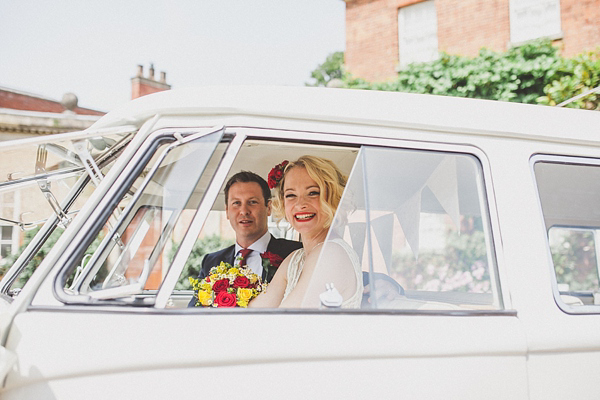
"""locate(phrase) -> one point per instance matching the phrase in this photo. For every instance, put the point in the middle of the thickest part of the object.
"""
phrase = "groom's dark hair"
(246, 177)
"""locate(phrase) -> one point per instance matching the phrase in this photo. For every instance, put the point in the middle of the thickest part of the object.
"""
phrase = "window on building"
(417, 33)
(534, 19)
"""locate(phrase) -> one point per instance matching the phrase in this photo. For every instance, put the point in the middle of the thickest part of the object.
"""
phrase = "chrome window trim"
(495, 241)
(110, 308)
(560, 159)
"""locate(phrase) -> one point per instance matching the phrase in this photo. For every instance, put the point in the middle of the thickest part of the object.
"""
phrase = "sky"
(92, 47)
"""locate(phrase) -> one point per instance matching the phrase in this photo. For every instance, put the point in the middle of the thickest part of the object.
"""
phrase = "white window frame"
(534, 19)
(420, 44)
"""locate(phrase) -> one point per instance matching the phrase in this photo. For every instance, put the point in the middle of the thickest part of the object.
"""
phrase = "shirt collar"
(260, 245)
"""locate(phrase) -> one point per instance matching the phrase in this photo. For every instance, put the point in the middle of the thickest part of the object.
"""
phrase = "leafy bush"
(533, 73)
(573, 77)
(332, 68)
(518, 75)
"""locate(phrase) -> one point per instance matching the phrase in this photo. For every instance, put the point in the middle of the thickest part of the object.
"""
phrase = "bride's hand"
(274, 294)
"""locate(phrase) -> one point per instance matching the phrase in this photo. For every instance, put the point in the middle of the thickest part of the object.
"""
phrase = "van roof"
(369, 108)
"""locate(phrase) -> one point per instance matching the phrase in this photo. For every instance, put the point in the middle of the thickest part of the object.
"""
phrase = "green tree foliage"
(574, 257)
(534, 73)
(573, 77)
(193, 265)
(518, 75)
(332, 68)
(461, 266)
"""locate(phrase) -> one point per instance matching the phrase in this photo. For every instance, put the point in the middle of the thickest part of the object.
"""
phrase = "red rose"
(225, 299)
(278, 174)
(274, 259)
(241, 282)
(221, 285)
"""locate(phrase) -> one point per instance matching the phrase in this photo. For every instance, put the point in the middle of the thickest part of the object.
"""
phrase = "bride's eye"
(314, 193)
(289, 196)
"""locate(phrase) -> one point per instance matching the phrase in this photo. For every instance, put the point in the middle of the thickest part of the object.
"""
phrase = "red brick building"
(384, 35)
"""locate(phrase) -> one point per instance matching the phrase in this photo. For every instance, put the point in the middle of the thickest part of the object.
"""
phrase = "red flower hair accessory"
(276, 174)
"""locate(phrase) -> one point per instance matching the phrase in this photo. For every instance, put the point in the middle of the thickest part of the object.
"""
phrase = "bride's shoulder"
(333, 250)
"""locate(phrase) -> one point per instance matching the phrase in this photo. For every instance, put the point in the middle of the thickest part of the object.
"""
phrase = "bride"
(307, 194)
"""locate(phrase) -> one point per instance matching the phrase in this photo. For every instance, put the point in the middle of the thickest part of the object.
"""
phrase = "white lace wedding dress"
(297, 263)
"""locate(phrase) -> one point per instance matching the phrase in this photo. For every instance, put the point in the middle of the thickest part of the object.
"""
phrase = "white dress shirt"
(254, 260)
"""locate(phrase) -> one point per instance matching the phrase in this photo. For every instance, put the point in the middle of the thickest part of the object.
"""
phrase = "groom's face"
(247, 212)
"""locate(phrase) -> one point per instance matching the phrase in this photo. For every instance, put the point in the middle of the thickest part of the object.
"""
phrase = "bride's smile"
(303, 205)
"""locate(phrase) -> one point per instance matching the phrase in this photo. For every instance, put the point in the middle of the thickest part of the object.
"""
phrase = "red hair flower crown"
(276, 174)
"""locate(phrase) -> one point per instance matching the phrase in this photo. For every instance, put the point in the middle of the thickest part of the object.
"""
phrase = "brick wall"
(580, 23)
(464, 26)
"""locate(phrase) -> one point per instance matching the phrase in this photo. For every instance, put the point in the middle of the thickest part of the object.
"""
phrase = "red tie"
(244, 253)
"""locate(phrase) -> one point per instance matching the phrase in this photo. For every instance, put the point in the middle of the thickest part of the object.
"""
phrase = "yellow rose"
(245, 294)
(233, 271)
(243, 304)
(205, 286)
(204, 298)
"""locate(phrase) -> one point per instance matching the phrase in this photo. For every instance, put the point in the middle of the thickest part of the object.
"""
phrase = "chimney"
(141, 86)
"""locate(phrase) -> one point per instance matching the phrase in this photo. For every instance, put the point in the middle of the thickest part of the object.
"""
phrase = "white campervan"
(485, 214)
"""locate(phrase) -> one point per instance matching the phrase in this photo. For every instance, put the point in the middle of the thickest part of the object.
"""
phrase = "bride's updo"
(326, 174)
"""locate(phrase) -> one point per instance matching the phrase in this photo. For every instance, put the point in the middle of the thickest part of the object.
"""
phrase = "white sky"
(92, 47)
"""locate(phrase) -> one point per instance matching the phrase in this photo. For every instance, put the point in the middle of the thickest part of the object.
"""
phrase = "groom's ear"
(269, 207)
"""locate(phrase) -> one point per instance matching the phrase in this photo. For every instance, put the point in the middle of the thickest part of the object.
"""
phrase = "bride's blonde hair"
(326, 174)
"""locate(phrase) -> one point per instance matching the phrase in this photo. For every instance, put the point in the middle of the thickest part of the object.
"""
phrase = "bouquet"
(227, 286)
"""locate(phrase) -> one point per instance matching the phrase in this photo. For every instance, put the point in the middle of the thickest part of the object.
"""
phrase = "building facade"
(382, 36)
(24, 115)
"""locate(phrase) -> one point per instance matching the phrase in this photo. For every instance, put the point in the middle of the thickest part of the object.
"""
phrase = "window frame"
(569, 160)
(239, 135)
(298, 136)
(514, 30)
(127, 176)
(401, 34)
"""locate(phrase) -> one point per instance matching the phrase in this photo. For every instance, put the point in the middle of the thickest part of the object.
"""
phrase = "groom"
(248, 206)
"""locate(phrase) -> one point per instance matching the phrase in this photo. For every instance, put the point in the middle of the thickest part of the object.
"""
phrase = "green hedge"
(534, 73)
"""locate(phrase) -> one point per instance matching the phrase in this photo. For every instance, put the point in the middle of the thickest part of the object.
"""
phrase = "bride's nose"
(301, 203)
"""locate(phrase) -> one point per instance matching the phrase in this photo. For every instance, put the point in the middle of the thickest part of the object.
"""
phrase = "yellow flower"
(205, 286)
(233, 271)
(242, 303)
(204, 298)
(253, 278)
(245, 295)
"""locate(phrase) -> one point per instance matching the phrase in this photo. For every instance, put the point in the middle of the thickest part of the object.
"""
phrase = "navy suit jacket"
(281, 247)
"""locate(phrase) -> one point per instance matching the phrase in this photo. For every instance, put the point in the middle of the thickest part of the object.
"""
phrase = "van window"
(134, 250)
(569, 192)
(418, 222)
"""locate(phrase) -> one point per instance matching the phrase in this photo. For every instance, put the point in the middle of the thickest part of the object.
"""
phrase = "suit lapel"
(229, 256)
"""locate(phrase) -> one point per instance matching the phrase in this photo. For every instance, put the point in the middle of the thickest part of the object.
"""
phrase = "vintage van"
(484, 214)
